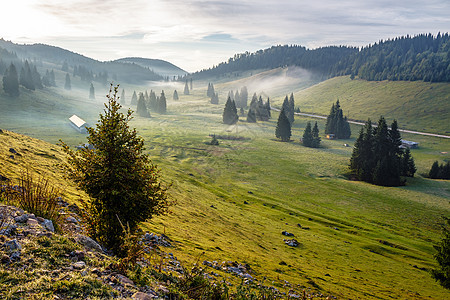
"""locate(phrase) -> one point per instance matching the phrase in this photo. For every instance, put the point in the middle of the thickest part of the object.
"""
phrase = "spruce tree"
(11, 81)
(362, 161)
(123, 185)
(153, 103)
(67, 84)
(162, 103)
(283, 129)
(141, 109)
(91, 92)
(291, 108)
(268, 108)
(408, 167)
(316, 137)
(122, 97)
(336, 123)
(244, 97)
(307, 139)
(134, 98)
(52, 78)
(26, 78)
(186, 89)
(175, 95)
(261, 111)
(191, 86)
(37, 81)
(434, 171)
(286, 107)
(251, 116)
(230, 115)
(215, 98)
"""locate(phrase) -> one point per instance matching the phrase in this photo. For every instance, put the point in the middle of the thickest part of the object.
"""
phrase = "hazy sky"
(196, 34)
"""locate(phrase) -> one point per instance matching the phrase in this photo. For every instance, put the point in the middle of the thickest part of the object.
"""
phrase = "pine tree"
(291, 108)
(408, 167)
(122, 182)
(230, 115)
(175, 95)
(141, 109)
(186, 89)
(26, 78)
(307, 139)
(37, 81)
(91, 92)
(336, 123)
(162, 103)
(67, 84)
(261, 111)
(434, 171)
(215, 99)
(316, 137)
(11, 81)
(286, 107)
(442, 256)
(134, 98)
(244, 97)
(122, 97)
(52, 78)
(283, 129)
(153, 102)
(362, 161)
(268, 108)
(251, 116)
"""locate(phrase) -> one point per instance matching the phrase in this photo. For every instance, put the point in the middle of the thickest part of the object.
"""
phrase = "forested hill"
(45, 56)
(321, 60)
(422, 57)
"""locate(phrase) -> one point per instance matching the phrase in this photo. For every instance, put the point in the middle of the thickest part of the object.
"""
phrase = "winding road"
(361, 123)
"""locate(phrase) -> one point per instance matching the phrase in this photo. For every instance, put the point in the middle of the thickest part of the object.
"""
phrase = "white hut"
(78, 123)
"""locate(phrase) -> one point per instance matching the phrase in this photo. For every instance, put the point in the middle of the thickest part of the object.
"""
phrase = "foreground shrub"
(122, 182)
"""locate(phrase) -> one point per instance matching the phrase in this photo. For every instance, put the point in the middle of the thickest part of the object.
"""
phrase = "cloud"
(197, 33)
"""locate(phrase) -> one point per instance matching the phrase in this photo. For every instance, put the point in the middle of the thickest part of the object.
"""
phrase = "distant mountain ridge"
(131, 70)
(158, 66)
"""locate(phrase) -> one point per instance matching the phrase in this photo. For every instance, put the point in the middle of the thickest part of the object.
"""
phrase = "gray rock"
(21, 219)
(71, 220)
(124, 280)
(12, 150)
(32, 222)
(48, 224)
(287, 233)
(292, 243)
(15, 256)
(142, 296)
(87, 242)
(40, 219)
(12, 245)
(79, 265)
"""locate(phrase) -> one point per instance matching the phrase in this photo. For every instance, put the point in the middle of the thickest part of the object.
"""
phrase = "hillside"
(234, 201)
(416, 105)
(423, 57)
(161, 67)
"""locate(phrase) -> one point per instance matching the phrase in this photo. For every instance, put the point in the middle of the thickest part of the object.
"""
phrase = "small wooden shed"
(78, 123)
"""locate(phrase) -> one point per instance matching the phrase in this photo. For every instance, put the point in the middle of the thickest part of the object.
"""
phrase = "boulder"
(88, 243)
(79, 265)
(48, 224)
(142, 296)
(12, 245)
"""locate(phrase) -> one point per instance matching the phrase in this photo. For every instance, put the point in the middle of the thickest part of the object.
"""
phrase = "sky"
(197, 34)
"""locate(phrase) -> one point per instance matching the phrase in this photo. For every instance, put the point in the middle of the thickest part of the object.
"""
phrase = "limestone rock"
(88, 242)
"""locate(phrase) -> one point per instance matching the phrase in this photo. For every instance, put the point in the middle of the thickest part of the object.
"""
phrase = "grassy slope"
(417, 105)
(289, 185)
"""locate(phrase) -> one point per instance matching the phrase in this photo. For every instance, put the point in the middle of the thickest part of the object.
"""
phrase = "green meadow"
(232, 201)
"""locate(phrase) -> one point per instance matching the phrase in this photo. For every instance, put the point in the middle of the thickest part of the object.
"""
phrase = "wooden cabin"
(78, 123)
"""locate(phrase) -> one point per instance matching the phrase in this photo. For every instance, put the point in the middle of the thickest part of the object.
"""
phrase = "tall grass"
(36, 196)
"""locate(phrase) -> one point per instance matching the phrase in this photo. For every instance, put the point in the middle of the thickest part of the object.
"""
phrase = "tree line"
(421, 57)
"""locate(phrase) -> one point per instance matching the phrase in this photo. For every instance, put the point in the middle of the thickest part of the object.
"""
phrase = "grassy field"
(235, 199)
(416, 105)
